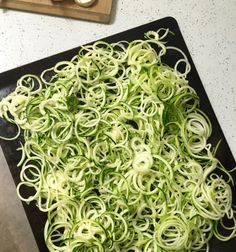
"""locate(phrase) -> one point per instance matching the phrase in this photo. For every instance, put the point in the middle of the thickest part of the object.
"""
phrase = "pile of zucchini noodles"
(115, 152)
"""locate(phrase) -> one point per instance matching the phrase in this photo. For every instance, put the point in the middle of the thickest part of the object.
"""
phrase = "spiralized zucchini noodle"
(116, 152)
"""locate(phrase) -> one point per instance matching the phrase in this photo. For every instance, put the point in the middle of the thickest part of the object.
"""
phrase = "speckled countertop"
(209, 29)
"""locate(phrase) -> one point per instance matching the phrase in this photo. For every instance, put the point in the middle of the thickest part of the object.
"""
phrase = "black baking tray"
(8, 81)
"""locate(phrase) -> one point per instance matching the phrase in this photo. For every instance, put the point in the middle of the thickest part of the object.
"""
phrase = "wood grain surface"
(100, 11)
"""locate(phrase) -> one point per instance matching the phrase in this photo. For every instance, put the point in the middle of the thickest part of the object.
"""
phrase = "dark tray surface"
(8, 82)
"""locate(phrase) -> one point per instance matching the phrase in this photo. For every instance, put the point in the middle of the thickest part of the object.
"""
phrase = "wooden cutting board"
(100, 11)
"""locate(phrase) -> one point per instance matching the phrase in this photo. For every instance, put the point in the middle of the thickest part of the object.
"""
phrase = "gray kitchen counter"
(209, 29)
